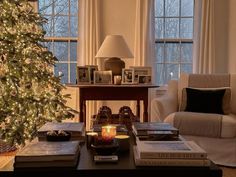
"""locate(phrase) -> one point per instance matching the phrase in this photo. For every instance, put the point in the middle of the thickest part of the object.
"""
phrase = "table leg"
(145, 110)
(81, 109)
(138, 109)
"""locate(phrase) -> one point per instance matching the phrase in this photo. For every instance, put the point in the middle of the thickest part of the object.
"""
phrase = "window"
(61, 35)
(173, 38)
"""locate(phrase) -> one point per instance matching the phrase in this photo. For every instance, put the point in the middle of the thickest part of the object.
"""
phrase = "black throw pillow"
(205, 101)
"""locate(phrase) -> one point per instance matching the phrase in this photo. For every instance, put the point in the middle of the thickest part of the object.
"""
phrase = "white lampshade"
(114, 46)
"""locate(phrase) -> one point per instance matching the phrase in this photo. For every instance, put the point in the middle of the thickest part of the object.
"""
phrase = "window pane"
(73, 73)
(49, 46)
(159, 48)
(186, 28)
(172, 8)
(62, 69)
(160, 74)
(172, 52)
(172, 28)
(172, 72)
(159, 25)
(187, 68)
(187, 8)
(73, 7)
(73, 51)
(48, 27)
(159, 6)
(45, 7)
(61, 26)
(186, 52)
(61, 7)
(73, 26)
(61, 50)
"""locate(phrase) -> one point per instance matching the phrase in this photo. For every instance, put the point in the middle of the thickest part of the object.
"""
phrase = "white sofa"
(216, 133)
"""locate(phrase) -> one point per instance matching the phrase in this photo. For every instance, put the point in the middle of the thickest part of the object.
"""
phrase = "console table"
(114, 92)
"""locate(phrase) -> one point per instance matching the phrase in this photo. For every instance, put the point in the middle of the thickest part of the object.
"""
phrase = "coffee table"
(123, 168)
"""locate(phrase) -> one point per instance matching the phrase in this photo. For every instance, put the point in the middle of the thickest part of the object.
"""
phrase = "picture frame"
(141, 71)
(103, 77)
(144, 79)
(127, 76)
(83, 76)
(92, 68)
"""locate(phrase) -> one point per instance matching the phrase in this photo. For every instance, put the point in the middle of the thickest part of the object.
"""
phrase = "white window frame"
(64, 39)
(179, 41)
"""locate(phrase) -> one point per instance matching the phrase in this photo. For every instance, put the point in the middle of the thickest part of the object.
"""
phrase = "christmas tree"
(30, 94)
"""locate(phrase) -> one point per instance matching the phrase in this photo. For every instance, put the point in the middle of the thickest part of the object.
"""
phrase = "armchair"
(198, 120)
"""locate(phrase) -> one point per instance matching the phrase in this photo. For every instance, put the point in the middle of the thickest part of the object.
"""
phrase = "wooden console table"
(114, 92)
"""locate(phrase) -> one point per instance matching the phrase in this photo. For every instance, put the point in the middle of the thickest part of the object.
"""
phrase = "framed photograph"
(102, 77)
(83, 76)
(127, 76)
(92, 68)
(144, 79)
(140, 71)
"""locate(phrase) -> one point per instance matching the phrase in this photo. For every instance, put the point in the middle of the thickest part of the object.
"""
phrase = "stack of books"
(77, 130)
(169, 153)
(48, 154)
(155, 131)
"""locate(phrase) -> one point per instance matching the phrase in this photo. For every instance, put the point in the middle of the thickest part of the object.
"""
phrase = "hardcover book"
(76, 130)
(170, 150)
(44, 151)
(168, 162)
(148, 128)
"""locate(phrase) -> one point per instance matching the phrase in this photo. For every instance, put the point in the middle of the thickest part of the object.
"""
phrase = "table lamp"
(114, 47)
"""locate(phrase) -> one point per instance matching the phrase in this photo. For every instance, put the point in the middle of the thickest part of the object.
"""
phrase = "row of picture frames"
(89, 74)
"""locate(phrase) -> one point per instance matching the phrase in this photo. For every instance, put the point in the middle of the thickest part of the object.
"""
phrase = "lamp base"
(115, 65)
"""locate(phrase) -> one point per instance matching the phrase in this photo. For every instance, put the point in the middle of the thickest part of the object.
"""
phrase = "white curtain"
(88, 42)
(205, 57)
(144, 42)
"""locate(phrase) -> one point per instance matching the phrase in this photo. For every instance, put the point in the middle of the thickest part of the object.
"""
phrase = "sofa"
(203, 108)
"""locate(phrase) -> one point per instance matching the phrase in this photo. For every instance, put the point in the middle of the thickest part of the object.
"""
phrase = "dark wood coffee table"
(123, 168)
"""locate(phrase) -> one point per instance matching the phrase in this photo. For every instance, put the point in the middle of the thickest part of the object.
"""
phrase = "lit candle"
(108, 133)
(117, 80)
(123, 141)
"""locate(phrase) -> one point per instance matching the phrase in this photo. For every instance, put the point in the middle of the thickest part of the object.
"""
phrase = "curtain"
(205, 61)
(89, 45)
(144, 41)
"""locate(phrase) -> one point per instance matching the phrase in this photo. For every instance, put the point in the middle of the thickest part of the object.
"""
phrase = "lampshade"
(114, 47)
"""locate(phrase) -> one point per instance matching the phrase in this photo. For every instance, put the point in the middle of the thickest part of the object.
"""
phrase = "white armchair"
(215, 132)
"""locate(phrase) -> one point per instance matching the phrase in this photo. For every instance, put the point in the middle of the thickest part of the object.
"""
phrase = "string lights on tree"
(30, 94)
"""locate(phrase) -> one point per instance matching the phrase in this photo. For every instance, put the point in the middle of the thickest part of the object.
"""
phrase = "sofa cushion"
(228, 125)
(225, 102)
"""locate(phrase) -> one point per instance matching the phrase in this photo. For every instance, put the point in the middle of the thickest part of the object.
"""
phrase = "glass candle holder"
(91, 138)
(108, 133)
(123, 141)
(117, 80)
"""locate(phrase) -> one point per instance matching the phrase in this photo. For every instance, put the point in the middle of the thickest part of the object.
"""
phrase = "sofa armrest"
(163, 106)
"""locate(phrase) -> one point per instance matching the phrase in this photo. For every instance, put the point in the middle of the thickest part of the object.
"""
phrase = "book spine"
(172, 162)
(176, 155)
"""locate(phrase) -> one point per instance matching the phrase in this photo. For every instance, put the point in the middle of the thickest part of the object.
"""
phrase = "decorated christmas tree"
(30, 94)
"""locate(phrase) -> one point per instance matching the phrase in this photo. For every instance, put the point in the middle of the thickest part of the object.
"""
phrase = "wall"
(221, 35)
(118, 17)
(232, 36)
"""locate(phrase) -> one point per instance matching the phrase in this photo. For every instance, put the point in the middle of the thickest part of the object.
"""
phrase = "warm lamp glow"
(114, 47)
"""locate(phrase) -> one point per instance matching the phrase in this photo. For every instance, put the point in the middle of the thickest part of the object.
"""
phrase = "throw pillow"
(225, 103)
(205, 101)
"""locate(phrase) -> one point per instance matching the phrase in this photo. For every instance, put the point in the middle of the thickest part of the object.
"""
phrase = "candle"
(91, 136)
(108, 133)
(123, 141)
(117, 80)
